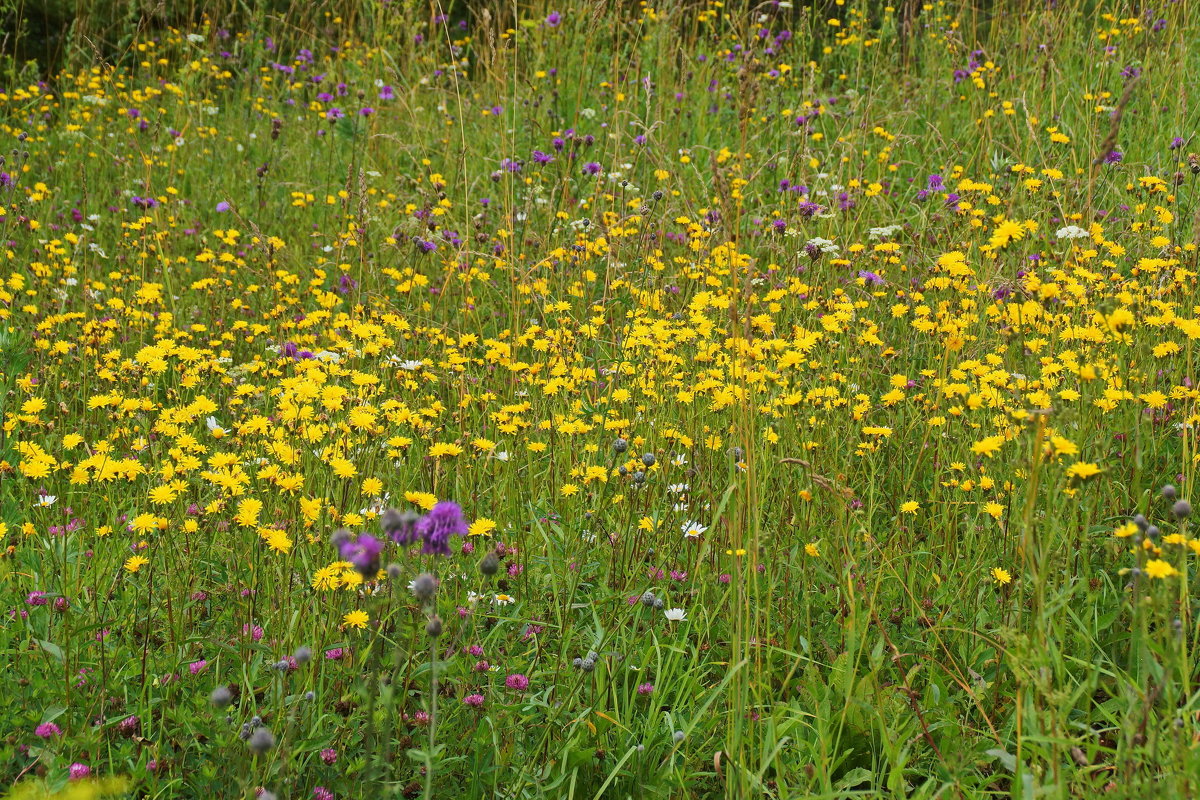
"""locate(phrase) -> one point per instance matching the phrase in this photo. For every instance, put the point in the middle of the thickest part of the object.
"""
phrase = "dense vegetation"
(614, 400)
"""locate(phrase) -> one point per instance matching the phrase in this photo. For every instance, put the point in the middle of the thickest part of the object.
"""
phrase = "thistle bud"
(423, 587)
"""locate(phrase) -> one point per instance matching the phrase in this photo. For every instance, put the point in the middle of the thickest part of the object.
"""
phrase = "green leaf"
(52, 649)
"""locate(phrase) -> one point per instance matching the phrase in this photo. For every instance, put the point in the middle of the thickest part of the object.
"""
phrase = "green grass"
(240, 315)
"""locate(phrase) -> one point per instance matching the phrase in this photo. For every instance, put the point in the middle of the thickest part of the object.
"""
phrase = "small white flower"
(46, 500)
(885, 232)
(675, 615)
(824, 245)
(679, 460)
(693, 529)
(213, 425)
(195, 38)
(677, 488)
(1072, 232)
(500, 455)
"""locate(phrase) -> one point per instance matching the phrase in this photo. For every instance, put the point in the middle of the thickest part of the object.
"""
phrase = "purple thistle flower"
(363, 552)
(222, 207)
(400, 527)
(591, 168)
(436, 528)
(553, 18)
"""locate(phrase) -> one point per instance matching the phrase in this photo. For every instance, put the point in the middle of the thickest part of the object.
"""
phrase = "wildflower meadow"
(599, 399)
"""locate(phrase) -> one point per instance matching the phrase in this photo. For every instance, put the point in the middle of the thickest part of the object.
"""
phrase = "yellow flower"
(144, 523)
(343, 468)
(569, 489)
(445, 449)
(277, 540)
(1126, 530)
(372, 487)
(248, 511)
(423, 499)
(812, 550)
(326, 578)
(1157, 568)
(994, 510)
(481, 527)
(134, 563)
(988, 446)
(909, 507)
(1081, 471)
(1001, 576)
(355, 619)
(162, 495)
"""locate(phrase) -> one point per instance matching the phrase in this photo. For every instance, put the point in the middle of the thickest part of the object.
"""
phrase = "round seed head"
(261, 741)
(221, 697)
(423, 587)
